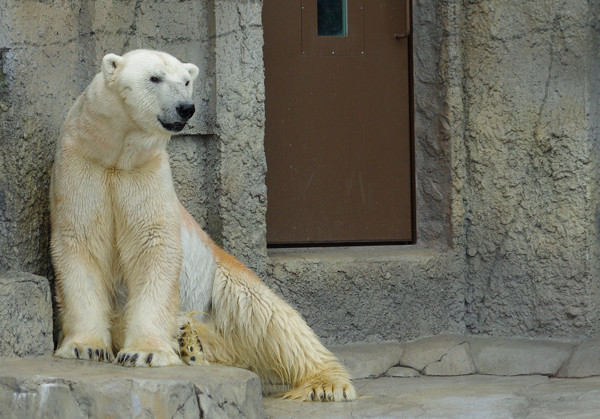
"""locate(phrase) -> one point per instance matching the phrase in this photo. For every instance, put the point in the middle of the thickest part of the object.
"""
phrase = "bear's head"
(155, 88)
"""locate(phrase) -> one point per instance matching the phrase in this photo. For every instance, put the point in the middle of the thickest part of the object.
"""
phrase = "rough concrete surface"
(475, 396)
(505, 356)
(365, 360)
(531, 221)
(25, 315)
(451, 355)
(371, 294)
(47, 387)
(457, 361)
(239, 126)
(53, 388)
(403, 393)
(421, 353)
(584, 362)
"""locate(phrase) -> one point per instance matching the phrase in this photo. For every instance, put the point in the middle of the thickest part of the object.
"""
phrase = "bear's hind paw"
(190, 347)
(322, 392)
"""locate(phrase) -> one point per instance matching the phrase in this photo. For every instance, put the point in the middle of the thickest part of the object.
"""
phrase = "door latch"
(406, 33)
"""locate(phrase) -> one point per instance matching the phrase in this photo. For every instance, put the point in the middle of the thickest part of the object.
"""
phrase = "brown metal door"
(338, 129)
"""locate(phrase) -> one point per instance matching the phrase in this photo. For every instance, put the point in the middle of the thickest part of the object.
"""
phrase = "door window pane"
(332, 17)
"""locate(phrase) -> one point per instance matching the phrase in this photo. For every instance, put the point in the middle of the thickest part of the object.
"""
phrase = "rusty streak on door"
(338, 135)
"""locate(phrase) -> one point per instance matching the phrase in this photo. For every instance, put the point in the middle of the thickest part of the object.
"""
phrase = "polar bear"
(129, 258)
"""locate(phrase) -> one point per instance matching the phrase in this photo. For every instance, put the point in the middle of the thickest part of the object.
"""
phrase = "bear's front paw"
(130, 357)
(74, 350)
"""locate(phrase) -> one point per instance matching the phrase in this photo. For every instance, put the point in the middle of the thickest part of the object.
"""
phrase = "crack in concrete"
(537, 127)
(181, 406)
(133, 26)
(222, 405)
(422, 372)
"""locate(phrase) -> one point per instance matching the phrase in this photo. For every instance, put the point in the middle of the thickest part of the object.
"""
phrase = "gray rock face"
(505, 356)
(531, 123)
(368, 360)
(371, 294)
(426, 352)
(53, 388)
(25, 315)
(457, 361)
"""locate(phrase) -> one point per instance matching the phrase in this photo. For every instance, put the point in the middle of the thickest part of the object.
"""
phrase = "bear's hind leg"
(260, 331)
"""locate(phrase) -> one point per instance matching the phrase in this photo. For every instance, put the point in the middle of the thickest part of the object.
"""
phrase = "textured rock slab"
(584, 362)
(457, 361)
(25, 315)
(368, 359)
(423, 352)
(51, 388)
(509, 356)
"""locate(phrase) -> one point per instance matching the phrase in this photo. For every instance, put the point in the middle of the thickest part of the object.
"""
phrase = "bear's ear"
(192, 69)
(110, 62)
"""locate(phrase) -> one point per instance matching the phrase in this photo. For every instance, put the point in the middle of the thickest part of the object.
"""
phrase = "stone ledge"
(585, 361)
(25, 315)
(49, 387)
(452, 355)
(364, 360)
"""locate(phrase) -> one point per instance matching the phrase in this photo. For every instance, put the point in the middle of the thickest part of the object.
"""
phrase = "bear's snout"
(186, 110)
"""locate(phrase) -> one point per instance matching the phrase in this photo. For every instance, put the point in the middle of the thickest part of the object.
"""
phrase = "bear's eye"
(187, 83)
(155, 79)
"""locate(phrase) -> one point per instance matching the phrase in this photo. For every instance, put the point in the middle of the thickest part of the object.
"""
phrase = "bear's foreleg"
(82, 261)
(148, 242)
(84, 310)
(256, 329)
(149, 319)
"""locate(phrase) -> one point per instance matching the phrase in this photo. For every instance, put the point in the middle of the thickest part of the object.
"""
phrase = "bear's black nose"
(186, 110)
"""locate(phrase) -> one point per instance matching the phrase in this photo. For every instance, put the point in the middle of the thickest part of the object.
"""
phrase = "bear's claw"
(149, 358)
(84, 351)
(322, 391)
(155, 358)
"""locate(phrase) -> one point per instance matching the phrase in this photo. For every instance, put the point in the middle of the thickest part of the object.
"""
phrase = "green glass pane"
(332, 18)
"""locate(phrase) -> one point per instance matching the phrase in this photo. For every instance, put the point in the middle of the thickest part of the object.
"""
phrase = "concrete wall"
(506, 143)
(530, 94)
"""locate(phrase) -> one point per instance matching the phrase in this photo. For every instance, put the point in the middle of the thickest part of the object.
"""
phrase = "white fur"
(197, 273)
(128, 256)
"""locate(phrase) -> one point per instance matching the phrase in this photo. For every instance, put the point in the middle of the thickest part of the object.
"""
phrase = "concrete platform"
(473, 396)
(453, 376)
(446, 376)
(53, 388)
